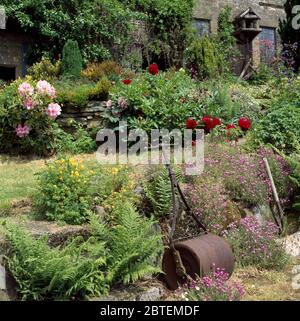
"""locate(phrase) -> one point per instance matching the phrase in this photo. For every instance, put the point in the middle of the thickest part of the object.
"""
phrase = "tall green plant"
(71, 59)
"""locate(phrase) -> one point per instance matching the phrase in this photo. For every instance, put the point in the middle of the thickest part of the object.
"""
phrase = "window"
(202, 26)
(7, 73)
(267, 44)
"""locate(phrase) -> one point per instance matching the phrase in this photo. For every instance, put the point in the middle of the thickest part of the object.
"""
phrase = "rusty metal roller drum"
(199, 256)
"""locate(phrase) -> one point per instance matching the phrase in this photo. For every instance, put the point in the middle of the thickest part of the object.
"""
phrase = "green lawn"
(17, 178)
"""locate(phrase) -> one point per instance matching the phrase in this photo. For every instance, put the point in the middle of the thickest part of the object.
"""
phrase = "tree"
(71, 59)
(290, 36)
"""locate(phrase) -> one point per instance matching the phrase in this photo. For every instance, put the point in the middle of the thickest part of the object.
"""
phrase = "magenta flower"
(25, 90)
(53, 110)
(22, 131)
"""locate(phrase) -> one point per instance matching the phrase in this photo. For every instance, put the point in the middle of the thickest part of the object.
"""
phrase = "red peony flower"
(244, 123)
(208, 122)
(153, 69)
(127, 81)
(216, 122)
(230, 126)
(191, 123)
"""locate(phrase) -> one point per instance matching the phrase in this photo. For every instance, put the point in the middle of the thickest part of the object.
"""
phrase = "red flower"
(230, 126)
(194, 143)
(191, 123)
(244, 123)
(153, 69)
(216, 122)
(127, 81)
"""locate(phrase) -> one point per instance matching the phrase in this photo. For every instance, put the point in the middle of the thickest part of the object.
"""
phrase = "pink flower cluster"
(53, 110)
(44, 88)
(25, 90)
(214, 287)
(22, 131)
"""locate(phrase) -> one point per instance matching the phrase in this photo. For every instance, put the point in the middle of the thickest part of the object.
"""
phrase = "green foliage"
(162, 101)
(203, 58)
(133, 244)
(64, 192)
(77, 143)
(74, 271)
(158, 192)
(280, 127)
(45, 69)
(96, 71)
(225, 38)
(78, 94)
(294, 161)
(94, 24)
(71, 59)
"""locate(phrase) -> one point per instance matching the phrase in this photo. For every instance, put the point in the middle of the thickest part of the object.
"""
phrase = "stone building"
(13, 47)
(262, 45)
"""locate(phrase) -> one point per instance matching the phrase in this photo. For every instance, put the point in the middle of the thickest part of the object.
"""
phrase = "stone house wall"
(270, 11)
(12, 51)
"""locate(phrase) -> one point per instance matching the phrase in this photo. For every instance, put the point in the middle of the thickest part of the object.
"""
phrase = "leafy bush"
(71, 59)
(64, 192)
(164, 100)
(254, 244)
(132, 241)
(78, 94)
(96, 71)
(203, 59)
(41, 272)
(281, 128)
(27, 113)
(77, 143)
(45, 69)
(214, 287)
(101, 90)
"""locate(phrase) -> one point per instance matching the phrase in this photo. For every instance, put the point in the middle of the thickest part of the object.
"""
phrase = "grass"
(268, 285)
(18, 179)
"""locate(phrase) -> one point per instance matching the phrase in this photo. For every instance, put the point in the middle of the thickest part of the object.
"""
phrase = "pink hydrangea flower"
(29, 103)
(53, 110)
(44, 88)
(22, 131)
(25, 90)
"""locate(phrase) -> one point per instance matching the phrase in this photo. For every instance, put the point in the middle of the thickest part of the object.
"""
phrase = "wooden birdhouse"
(247, 26)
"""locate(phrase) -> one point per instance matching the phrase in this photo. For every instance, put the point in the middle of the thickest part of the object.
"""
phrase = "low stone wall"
(89, 116)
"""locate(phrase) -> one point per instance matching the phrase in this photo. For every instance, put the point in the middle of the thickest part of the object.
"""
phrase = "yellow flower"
(81, 167)
(114, 170)
(76, 174)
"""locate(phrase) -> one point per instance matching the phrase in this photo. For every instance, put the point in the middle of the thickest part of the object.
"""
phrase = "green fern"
(133, 244)
(158, 192)
(42, 272)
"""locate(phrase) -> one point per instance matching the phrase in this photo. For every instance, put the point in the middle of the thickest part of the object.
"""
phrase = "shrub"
(77, 143)
(203, 59)
(254, 244)
(27, 113)
(96, 71)
(281, 128)
(101, 90)
(45, 69)
(71, 59)
(164, 100)
(41, 272)
(63, 192)
(214, 287)
(132, 241)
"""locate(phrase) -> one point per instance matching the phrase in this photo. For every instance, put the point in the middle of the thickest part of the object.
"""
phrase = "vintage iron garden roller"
(188, 258)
